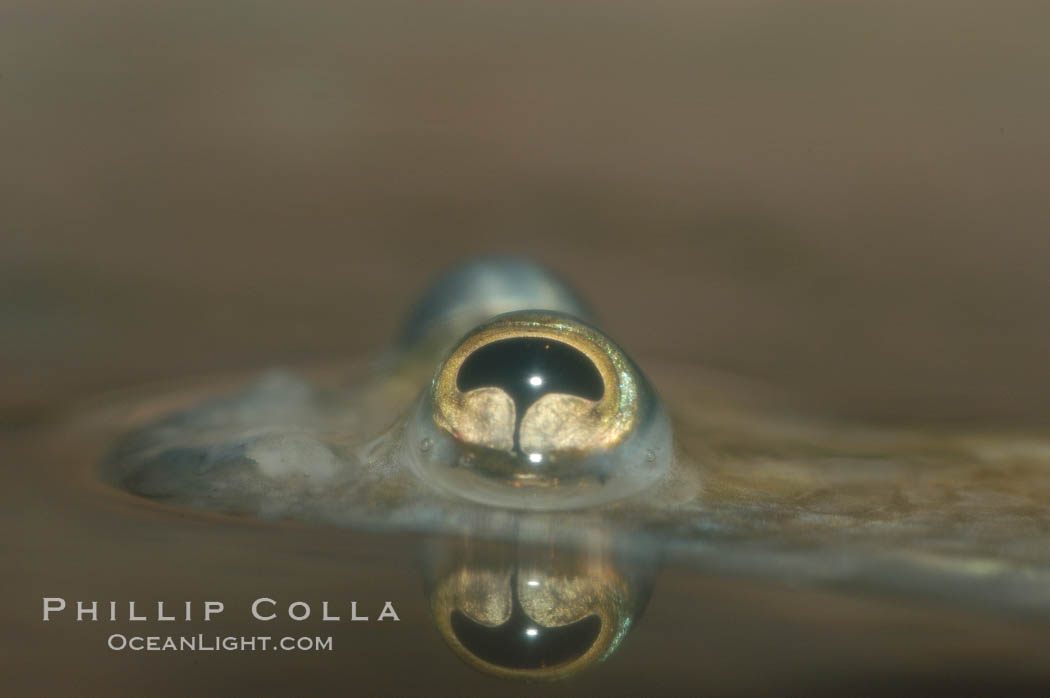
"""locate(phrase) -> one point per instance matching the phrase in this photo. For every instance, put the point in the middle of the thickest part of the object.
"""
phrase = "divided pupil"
(527, 368)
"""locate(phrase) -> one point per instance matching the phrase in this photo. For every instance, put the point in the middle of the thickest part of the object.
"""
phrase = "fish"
(503, 413)
(499, 396)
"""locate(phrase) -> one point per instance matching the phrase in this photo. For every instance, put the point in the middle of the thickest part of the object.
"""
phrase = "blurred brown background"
(850, 202)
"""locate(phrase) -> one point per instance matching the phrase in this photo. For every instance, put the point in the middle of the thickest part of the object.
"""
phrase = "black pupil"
(527, 368)
(521, 643)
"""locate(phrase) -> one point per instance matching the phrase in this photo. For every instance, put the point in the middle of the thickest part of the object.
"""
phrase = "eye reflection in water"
(531, 611)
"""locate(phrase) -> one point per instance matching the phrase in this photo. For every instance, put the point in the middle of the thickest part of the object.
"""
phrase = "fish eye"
(539, 410)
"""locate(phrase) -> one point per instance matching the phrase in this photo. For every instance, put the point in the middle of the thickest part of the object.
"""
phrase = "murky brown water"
(850, 205)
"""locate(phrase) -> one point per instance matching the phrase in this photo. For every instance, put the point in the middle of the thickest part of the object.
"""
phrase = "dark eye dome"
(472, 293)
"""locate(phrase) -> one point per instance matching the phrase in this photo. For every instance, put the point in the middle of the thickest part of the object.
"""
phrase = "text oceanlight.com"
(217, 643)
